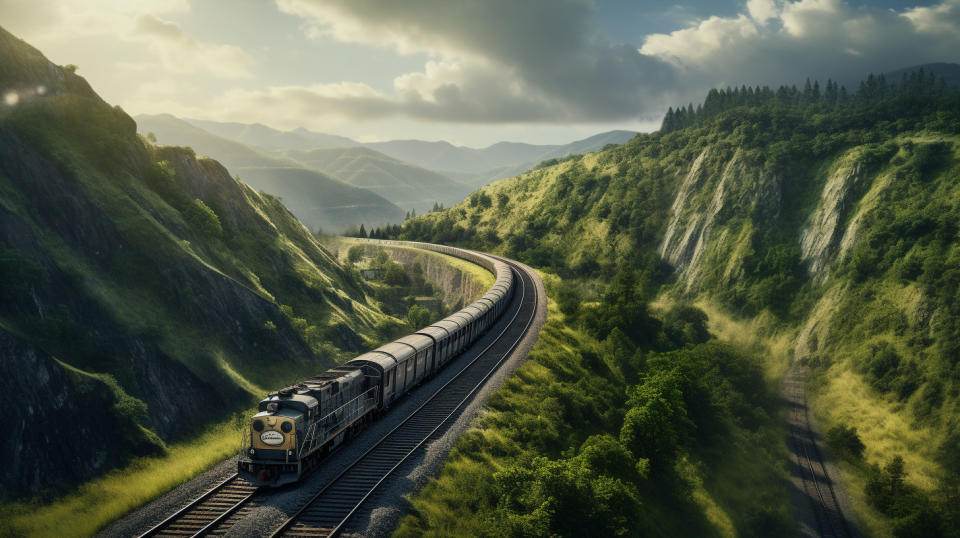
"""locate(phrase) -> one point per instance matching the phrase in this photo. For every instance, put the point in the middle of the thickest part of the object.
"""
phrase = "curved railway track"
(816, 482)
(329, 511)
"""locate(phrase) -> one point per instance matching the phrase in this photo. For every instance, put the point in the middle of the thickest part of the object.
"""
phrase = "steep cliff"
(144, 292)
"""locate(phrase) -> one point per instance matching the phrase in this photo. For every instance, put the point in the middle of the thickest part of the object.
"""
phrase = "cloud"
(546, 60)
(182, 54)
(497, 60)
(762, 10)
(781, 42)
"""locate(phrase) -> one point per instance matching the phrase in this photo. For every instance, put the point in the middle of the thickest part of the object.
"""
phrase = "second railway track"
(330, 510)
(830, 520)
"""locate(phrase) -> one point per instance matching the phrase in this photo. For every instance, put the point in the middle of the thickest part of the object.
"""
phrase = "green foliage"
(203, 219)
(419, 317)
(18, 273)
(845, 442)
(355, 254)
(589, 494)
(588, 436)
(656, 425)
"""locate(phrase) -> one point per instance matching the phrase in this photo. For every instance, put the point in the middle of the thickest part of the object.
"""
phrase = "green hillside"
(406, 185)
(823, 220)
(318, 200)
(146, 294)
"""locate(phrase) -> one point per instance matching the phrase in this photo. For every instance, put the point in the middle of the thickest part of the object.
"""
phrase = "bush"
(418, 316)
(203, 219)
(845, 442)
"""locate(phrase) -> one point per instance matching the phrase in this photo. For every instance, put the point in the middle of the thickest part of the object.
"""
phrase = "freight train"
(296, 426)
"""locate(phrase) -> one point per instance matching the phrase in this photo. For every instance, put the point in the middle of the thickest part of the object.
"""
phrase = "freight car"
(296, 426)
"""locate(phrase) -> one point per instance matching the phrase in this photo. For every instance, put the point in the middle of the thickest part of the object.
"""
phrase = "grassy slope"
(98, 502)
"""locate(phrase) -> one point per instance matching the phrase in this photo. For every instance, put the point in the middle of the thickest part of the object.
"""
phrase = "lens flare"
(11, 98)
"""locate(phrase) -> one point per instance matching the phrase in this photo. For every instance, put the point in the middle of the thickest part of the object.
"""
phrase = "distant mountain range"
(447, 157)
(473, 167)
(948, 71)
(411, 174)
(404, 184)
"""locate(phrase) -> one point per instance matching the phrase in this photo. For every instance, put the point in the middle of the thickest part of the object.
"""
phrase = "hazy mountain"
(406, 185)
(502, 155)
(144, 292)
(949, 71)
(317, 199)
(472, 166)
(260, 136)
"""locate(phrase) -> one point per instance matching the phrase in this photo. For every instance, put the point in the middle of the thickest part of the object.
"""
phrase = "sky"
(472, 72)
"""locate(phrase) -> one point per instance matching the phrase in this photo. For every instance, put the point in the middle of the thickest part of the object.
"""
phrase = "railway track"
(329, 511)
(206, 511)
(816, 482)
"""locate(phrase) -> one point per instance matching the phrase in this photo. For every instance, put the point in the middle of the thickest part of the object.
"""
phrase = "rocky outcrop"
(819, 238)
(705, 201)
(457, 287)
(674, 249)
(60, 426)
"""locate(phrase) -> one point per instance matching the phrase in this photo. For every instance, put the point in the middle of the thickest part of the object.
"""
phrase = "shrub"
(203, 219)
(845, 442)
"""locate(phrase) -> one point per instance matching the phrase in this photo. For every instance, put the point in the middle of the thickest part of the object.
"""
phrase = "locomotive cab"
(273, 456)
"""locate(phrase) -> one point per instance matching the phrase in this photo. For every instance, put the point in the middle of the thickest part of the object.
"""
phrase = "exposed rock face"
(673, 249)
(457, 287)
(819, 239)
(60, 426)
(705, 201)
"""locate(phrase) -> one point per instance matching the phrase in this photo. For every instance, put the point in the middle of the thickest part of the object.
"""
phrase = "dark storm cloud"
(547, 60)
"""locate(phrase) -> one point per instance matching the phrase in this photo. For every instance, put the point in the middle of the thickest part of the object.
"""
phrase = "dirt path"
(820, 506)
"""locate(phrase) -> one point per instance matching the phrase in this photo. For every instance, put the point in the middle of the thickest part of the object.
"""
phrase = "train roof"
(384, 361)
(397, 350)
(437, 332)
(450, 325)
(418, 341)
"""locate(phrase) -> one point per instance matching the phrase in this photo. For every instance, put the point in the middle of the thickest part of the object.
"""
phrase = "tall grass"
(98, 502)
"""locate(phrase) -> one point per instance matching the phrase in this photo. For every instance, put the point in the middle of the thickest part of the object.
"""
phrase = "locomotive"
(296, 426)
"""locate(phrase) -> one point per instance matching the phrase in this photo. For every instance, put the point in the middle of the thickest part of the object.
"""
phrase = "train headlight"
(258, 425)
(286, 427)
(253, 452)
(289, 452)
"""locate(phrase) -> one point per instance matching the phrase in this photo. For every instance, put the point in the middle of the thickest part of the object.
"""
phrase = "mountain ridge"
(320, 201)
(145, 290)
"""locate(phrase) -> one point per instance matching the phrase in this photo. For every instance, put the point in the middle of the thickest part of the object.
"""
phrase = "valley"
(467, 269)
